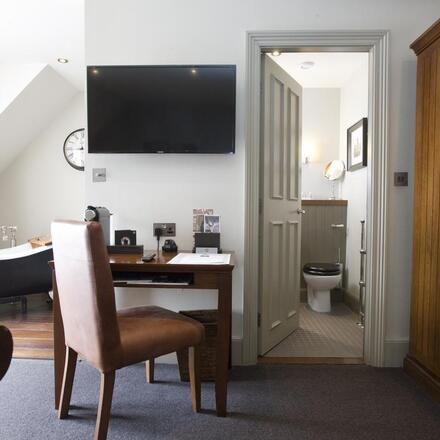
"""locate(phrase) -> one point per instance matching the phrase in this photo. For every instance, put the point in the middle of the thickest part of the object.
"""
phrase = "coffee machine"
(101, 215)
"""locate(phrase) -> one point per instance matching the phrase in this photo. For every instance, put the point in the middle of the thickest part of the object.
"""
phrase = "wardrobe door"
(425, 307)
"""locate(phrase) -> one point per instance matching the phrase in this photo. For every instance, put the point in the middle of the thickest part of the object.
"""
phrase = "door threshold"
(282, 360)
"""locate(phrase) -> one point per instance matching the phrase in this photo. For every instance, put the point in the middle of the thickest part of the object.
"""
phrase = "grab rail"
(362, 285)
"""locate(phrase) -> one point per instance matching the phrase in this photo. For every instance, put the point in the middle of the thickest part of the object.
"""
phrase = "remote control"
(149, 256)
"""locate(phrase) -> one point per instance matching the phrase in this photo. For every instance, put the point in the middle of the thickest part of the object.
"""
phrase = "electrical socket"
(168, 229)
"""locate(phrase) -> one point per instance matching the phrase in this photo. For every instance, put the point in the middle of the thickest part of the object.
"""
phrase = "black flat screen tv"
(161, 109)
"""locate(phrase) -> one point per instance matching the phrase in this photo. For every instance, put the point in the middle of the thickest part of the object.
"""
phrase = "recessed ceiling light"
(306, 65)
(276, 53)
(63, 60)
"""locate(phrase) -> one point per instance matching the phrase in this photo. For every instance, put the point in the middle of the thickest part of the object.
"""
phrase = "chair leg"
(105, 403)
(149, 370)
(68, 376)
(194, 376)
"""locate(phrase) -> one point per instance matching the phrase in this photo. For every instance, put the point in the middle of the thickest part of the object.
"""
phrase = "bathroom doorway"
(314, 122)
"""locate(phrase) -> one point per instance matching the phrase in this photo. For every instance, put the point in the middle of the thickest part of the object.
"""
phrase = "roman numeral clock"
(74, 149)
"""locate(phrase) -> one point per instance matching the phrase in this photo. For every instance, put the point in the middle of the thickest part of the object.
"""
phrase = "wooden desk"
(217, 277)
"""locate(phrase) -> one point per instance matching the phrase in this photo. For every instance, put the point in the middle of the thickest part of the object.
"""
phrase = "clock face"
(74, 149)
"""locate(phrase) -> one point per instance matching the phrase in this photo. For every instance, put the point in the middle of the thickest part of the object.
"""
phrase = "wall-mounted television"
(161, 109)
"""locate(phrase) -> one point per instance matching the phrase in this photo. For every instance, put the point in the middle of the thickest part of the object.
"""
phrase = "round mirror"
(334, 170)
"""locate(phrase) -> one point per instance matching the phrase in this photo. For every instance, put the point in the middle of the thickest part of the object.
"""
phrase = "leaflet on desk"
(186, 258)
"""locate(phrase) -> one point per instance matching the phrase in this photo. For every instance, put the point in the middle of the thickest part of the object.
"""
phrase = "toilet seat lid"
(322, 268)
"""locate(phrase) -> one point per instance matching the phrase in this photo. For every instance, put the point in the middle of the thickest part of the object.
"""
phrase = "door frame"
(376, 43)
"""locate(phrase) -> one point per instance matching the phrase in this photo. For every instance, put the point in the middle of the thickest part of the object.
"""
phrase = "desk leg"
(59, 346)
(223, 341)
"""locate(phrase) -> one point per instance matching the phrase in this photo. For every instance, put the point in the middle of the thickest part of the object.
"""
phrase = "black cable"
(158, 232)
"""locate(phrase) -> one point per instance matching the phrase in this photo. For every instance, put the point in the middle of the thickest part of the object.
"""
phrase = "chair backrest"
(6, 346)
(86, 293)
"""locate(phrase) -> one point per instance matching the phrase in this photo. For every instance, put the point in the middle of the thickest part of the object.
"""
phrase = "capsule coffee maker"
(101, 215)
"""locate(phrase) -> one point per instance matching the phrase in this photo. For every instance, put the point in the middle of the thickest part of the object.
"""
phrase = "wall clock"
(74, 149)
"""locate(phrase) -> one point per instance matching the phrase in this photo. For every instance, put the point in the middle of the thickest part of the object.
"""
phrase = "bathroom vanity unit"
(323, 234)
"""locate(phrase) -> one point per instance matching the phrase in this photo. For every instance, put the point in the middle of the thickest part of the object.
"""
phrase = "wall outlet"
(400, 178)
(168, 229)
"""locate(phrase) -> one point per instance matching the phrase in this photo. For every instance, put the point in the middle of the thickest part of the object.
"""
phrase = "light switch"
(99, 174)
(400, 178)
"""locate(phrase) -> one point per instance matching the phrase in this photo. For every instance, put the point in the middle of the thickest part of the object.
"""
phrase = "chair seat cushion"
(150, 331)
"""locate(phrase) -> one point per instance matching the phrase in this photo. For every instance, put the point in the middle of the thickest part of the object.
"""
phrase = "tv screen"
(161, 109)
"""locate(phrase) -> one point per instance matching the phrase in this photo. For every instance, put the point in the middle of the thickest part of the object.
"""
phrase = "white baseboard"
(395, 352)
(236, 353)
(237, 350)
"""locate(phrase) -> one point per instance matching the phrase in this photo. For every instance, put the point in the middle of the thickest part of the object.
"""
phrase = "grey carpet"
(333, 334)
(266, 402)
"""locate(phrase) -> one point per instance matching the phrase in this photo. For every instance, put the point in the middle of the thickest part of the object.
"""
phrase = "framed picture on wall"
(357, 145)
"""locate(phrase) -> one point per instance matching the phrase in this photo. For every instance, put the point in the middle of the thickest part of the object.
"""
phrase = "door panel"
(280, 223)
(276, 238)
(293, 145)
(293, 276)
(276, 144)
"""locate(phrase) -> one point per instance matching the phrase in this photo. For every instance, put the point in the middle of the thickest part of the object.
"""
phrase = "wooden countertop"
(134, 261)
(324, 202)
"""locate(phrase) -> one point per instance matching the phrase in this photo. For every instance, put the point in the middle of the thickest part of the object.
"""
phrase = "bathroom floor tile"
(333, 334)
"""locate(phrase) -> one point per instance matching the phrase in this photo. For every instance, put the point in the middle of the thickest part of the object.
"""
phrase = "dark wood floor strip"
(32, 332)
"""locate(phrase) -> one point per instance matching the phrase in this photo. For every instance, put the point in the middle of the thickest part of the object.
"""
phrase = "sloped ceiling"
(14, 78)
(34, 86)
(31, 111)
(41, 31)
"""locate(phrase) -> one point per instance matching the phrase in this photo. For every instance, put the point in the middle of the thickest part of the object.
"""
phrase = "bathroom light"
(306, 65)
(63, 60)
(276, 53)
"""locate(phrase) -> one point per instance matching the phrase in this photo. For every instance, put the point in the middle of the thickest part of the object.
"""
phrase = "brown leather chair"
(6, 347)
(108, 339)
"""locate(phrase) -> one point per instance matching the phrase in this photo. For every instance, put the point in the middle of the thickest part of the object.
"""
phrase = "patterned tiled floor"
(333, 334)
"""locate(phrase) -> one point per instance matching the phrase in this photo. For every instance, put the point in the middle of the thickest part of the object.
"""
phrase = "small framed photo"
(212, 223)
(199, 218)
(357, 145)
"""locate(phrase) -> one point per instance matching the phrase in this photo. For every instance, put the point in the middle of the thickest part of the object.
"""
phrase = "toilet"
(320, 279)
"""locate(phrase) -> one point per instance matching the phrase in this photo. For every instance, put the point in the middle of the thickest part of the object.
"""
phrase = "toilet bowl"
(320, 279)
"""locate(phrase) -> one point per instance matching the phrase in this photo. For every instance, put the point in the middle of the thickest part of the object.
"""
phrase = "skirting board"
(424, 377)
(395, 352)
(236, 353)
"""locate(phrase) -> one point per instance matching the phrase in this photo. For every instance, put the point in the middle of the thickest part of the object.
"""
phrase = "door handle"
(300, 211)
(337, 225)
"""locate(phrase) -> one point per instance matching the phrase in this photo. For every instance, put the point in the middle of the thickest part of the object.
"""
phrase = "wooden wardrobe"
(423, 359)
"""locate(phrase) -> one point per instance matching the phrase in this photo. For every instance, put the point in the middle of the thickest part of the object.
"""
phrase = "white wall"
(39, 185)
(31, 111)
(320, 139)
(354, 106)
(142, 189)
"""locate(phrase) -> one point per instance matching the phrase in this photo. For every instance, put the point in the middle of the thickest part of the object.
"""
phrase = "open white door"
(280, 206)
